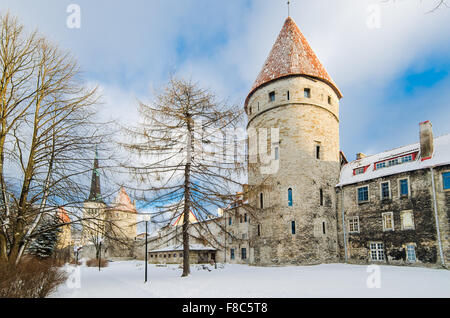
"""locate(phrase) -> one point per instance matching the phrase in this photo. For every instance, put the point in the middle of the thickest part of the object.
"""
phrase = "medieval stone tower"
(295, 219)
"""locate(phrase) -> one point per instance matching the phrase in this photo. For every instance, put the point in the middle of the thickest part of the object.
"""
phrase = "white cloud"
(128, 47)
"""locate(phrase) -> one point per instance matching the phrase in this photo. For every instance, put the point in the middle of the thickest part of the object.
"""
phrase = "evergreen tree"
(44, 245)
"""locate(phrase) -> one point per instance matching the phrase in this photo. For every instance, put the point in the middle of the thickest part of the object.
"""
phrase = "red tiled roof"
(291, 55)
(124, 203)
(63, 216)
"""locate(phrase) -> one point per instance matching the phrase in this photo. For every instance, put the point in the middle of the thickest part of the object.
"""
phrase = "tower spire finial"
(289, 8)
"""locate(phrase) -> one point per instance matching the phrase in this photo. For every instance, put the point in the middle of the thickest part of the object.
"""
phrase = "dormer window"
(307, 93)
(359, 171)
(271, 96)
(395, 161)
(407, 158)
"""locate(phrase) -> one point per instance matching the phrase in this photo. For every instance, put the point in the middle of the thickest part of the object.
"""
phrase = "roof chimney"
(426, 140)
(360, 155)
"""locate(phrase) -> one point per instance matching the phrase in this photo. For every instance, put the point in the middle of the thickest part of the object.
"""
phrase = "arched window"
(261, 201)
(290, 197)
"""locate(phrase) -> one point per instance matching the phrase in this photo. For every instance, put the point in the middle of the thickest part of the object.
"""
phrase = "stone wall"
(304, 123)
(176, 257)
(443, 207)
(420, 202)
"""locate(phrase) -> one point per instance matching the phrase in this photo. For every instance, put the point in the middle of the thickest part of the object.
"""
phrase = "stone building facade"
(222, 239)
(305, 203)
(307, 196)
(394, 207)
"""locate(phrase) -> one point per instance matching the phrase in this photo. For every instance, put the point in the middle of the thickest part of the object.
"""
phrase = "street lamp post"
(99, 255)
(146, 253)
(146, 218)
(100, 240)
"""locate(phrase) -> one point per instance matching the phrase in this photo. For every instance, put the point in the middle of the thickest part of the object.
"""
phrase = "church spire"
(95, 194)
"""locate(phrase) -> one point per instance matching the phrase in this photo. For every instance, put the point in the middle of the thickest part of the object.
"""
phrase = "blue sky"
(392, 77)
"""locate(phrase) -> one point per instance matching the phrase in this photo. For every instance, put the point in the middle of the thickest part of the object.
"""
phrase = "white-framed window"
(243, 253)
(404, 188)
(407, 219)
(407, 158)
(411, 253)
(376, 251)
(362, 194)
(446, 180)
(385, 188)
(388, 221)
(393, 162)
(353, 224)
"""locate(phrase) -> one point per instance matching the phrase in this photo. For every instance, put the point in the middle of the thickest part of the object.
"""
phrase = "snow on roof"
(179, 221)
(291, 55)
(192, 247)
(441, 156)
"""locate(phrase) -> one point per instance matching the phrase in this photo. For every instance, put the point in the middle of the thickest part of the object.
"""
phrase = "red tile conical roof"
(63, 216)
(291, 55)
(124, 203)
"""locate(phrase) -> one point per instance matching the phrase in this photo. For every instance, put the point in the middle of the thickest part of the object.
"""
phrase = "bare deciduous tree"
(187, 147)
(47, 132)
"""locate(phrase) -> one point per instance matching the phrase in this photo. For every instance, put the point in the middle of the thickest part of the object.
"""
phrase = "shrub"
(73, 262)
(93, 262)
(31, 278)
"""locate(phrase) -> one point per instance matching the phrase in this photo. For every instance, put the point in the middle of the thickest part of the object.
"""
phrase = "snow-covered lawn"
(126, 279)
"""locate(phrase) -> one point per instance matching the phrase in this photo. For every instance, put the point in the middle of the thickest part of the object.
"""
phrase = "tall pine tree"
(44, 245)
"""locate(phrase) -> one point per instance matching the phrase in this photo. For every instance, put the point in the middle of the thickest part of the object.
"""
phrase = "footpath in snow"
(126, 279)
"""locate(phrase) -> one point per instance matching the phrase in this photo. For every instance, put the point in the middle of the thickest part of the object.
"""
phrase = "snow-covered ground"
(126, 279)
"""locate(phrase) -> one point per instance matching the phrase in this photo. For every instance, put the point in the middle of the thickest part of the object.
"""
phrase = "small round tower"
(294, 195)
